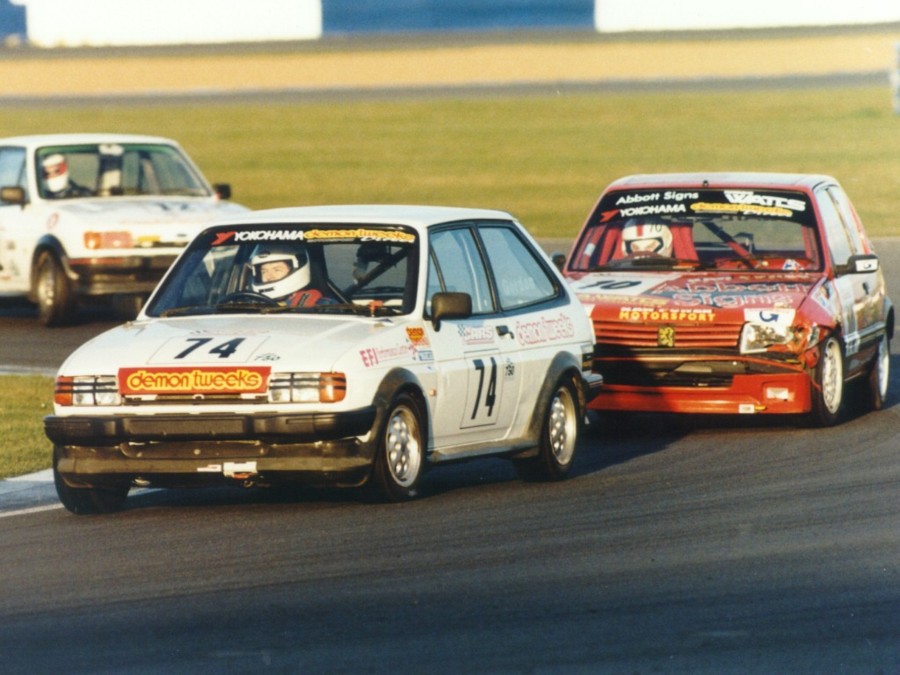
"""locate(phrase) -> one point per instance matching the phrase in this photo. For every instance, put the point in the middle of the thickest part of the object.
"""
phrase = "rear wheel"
(52, 291)
(559, 437)
(88, 500)
(401, 451)
(828, 387)
(879, 375)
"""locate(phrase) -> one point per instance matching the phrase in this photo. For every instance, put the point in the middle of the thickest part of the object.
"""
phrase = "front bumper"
(186, 449)
(771, 393)
(124, 275)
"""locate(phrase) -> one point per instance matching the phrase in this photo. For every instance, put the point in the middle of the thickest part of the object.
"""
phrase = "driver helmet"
(56, 172)
(640, 237)
(279, 270)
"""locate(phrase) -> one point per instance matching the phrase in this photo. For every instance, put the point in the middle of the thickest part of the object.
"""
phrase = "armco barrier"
(51, 23)
(378, 16)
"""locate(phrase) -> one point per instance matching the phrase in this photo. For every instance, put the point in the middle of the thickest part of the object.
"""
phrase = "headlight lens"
(98, 240)
(764, 328)
(757, 337)
(87, 390)
(307, 387)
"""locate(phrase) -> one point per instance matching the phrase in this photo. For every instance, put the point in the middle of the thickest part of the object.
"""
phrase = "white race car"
(332, 345)
(91, 215)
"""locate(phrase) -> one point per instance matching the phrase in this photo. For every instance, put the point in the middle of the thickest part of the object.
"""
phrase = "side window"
(838, 241)
(12, 167)
(521, 279)
(842, 202)
(456, 265)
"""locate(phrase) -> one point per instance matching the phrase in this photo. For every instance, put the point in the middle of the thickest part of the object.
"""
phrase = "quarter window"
(521, 279)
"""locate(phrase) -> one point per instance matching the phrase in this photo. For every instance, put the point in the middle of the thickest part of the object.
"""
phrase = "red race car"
(732, 293)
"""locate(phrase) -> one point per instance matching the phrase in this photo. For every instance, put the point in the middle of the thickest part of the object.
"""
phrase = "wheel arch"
(48, 244)
(394, 382)
(563, 366)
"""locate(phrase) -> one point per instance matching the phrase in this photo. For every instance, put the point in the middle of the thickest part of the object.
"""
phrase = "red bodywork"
(669, 338)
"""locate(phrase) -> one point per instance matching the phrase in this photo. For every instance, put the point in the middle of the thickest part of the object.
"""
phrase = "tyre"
(560, 428)
(52, 292)
(879, 376)
(828, 385)
(400, 458)
(88, 500)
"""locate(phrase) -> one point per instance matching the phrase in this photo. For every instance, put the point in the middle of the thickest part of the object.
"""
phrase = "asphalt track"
(702, 545)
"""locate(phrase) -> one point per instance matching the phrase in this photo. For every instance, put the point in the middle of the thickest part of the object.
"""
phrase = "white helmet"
(646, 238)
(56, 172)
(278, 281)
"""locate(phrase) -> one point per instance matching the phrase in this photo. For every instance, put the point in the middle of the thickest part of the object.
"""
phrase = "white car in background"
(97, 215)
(392, 338)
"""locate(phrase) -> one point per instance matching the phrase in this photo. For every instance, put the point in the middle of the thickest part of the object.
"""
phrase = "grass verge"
(24, 401)
(544, 158)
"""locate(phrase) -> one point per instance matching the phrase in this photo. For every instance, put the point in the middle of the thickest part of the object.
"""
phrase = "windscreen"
(282, 268)
(116, 169)
(759, 230)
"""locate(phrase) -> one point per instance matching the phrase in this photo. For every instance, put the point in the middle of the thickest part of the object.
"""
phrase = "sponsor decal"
(417, 336)
(652, 210)
(774, 317)
(545, 329)
(476, 335)
(238, 236)
(668, 195)
(681, 314)
(361, 234)
(743, 209)
(749, 197)
(716, 293)
(187, 380)
(372, 356)
(318, 234)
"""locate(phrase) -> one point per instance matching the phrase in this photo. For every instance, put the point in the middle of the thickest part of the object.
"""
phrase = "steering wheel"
(251, 297)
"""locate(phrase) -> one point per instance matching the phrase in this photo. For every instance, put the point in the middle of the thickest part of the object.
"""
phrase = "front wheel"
(828, 385)
(88, 500)
(560, 429)
(52, 292)
(400, 459)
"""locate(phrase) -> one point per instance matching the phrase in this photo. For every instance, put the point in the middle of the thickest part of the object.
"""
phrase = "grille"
(685, 336)
(641, 374)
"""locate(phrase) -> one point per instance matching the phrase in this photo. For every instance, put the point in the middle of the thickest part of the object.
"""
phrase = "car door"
(13, 218)
(475, 357)
(861, 292)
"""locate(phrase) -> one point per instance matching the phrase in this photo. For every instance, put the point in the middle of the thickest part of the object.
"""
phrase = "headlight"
(766, 328)
(87, 390)
(307, 387)
(98, 240)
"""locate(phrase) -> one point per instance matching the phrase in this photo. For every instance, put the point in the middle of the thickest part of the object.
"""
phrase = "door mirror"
(861, 264)
(450, 306)
(223, 190)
